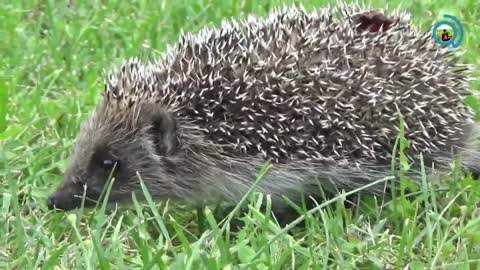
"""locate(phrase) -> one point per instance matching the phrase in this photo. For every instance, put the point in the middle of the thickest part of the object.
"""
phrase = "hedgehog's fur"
(309, 91)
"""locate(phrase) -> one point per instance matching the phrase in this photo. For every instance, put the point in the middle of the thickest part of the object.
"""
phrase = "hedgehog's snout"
(66, 197)
(51, 202)
(61, 201)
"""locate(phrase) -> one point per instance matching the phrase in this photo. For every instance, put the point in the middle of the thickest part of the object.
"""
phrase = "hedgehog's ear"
(164, 132)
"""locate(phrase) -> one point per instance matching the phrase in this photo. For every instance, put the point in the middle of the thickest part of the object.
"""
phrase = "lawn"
(53, 55)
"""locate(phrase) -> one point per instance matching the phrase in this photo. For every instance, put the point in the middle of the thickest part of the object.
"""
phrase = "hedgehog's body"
(308, 91)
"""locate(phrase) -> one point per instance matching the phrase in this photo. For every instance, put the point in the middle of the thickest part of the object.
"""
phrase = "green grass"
(52, 56)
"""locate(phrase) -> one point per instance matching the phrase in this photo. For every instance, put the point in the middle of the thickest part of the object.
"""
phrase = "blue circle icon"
(457, 29)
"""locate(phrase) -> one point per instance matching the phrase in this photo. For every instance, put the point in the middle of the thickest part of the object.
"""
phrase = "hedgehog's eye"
(108, 164)
(105, 160)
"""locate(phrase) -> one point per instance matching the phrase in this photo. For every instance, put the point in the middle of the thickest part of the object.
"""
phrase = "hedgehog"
(319, 95)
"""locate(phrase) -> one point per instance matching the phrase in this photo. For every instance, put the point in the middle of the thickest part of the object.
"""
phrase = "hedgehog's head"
(121, 142)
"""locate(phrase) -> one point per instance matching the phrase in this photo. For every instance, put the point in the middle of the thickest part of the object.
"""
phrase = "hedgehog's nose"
(51, 202)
